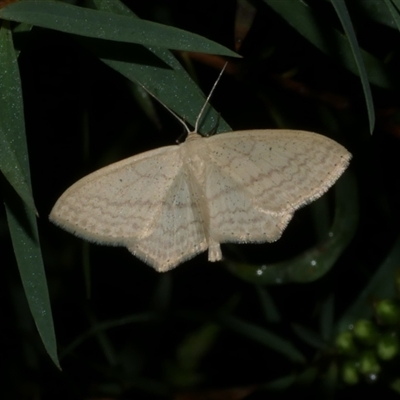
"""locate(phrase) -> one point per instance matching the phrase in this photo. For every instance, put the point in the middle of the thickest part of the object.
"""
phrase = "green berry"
(345, 343)
(388, 346)
(387, 312)
(368, 363)
(365, 331)
(350, 373)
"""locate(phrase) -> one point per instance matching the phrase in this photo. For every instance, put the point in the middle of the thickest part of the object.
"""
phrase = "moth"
(169, 204)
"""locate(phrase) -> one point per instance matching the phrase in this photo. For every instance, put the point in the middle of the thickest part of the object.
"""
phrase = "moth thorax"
(193, 154)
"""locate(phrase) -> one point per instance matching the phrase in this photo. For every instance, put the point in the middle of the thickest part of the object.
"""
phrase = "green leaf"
(279, 384)
(396, 3)
(21, 215)
(268, 306)
(25, 240)
(100, 327)
(309, 24)
(158, 71)
(376, 10)
(109, 26)
(13, 148)
(308, 336)
(327, 317)
(381, 285)
(344, 17)
(394, 12)
(263, 336)
(196, 345)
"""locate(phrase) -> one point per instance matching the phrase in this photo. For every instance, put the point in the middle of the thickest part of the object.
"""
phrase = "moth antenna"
(202, 109)
(166, 107)
(196, 126)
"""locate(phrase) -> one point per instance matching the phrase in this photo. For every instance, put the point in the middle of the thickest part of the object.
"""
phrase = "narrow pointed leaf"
(309, 24)
(158, 71)
(375, 10)
(394, 12)
(344, 17)
(308, 336)
(20, 209)
(104, 25)
(263, 336)
(25, 240)
(381, 285)
(13, 148)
